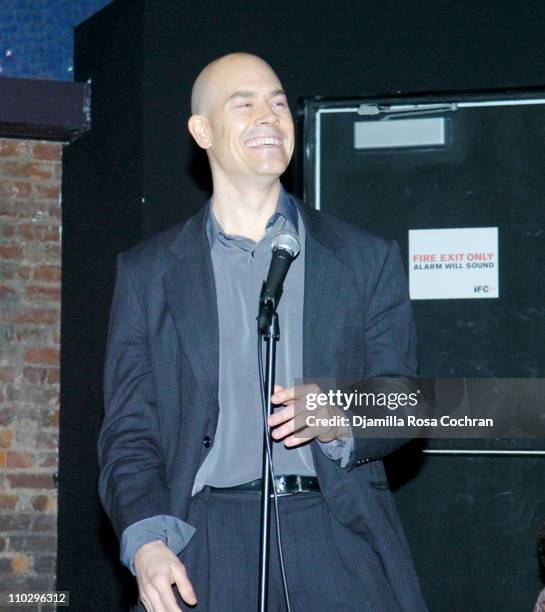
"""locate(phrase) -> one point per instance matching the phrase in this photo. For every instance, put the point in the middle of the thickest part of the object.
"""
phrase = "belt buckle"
(281, 487)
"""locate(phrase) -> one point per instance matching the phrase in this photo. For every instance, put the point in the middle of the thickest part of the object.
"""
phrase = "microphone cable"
(269, 454)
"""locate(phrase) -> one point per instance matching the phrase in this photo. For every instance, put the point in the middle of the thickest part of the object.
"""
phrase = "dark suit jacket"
(161, 374)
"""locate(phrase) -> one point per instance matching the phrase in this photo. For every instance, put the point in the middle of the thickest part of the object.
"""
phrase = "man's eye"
(245, 105)
(280, 104)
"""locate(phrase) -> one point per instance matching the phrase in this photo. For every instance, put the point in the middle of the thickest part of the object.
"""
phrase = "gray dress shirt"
(240, 265)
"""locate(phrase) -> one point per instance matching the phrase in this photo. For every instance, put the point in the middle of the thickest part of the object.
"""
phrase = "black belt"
(284, 485)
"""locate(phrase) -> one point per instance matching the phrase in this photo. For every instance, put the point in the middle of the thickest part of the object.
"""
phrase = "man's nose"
(267, 116)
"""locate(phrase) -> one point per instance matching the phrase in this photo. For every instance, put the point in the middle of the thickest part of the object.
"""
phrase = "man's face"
(250, 124)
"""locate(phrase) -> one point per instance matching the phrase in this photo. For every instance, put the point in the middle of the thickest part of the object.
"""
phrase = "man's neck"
(245, 210)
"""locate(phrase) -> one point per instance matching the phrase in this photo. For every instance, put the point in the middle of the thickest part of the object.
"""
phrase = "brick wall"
(30, 276)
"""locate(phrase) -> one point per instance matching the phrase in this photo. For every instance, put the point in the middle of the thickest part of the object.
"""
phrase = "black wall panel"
(101, 208)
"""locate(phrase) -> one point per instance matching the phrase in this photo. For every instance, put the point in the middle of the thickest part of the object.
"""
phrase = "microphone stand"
(268, 329)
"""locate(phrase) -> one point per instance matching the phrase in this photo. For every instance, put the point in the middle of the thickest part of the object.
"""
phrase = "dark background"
(137, 172)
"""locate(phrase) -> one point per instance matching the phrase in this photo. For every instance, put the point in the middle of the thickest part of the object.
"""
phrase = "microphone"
(285, 248)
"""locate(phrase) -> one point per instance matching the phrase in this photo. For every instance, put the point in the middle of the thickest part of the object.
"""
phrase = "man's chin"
(271, 169)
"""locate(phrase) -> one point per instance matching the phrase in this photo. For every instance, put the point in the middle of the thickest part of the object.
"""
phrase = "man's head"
(240, 116)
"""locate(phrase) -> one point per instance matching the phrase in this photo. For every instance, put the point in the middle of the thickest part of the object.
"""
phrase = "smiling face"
(241, 117)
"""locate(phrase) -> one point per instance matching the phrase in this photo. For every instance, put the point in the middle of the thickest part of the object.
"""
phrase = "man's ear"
(199, 128)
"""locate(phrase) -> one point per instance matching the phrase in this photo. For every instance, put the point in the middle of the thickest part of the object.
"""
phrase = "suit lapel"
(325, 278)
(191, 295)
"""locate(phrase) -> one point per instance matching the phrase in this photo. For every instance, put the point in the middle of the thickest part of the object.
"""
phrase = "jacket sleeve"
(391, 349)
(132, 483)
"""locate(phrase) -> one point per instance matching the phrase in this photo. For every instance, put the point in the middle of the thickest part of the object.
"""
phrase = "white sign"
(453, 263)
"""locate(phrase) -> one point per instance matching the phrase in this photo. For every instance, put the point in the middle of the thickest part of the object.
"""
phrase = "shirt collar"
(285, 207)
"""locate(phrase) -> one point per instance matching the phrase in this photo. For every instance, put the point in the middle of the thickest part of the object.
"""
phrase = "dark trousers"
(328, 568)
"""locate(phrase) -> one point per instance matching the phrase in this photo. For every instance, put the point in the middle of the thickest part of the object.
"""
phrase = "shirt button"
(206, 441)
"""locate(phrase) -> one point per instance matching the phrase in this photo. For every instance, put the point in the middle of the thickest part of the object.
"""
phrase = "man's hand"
(157, 568)
(284, 421)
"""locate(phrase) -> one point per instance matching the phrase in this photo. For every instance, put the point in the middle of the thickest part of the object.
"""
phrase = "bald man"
(180, 447)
